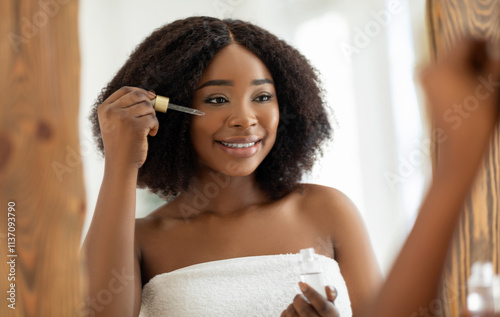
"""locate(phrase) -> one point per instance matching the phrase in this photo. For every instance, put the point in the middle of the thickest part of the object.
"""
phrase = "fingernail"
(333, 291)
(303, 287)
(152, 92)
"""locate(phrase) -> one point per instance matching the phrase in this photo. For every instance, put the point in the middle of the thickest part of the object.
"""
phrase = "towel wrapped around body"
(246, 286)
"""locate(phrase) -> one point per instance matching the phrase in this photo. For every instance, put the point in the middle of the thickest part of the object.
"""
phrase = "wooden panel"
(478, 235)
(40, 170)
(451, 20)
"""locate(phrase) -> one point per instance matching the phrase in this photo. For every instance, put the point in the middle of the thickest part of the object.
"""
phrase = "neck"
(220, 195)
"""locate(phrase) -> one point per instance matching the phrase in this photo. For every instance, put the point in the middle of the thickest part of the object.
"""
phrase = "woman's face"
(236, 93)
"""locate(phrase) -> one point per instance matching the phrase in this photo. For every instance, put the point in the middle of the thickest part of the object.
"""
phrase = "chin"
(237, 171)
(234, 169)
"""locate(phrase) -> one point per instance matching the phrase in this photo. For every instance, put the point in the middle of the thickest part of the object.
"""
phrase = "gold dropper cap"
(160, 103)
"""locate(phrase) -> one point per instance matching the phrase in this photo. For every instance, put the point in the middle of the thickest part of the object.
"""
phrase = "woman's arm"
(113, 267)
(125, 118)
(353, 251)
(467, 75)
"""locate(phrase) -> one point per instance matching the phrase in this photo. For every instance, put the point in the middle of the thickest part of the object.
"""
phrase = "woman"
(231, 179)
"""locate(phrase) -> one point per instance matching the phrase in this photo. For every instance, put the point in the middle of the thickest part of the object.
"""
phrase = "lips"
(240, 146)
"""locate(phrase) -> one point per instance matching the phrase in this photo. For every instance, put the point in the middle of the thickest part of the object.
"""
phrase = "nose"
(242, 117)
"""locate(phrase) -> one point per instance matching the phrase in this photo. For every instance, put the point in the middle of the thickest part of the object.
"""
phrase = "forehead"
(235, 62)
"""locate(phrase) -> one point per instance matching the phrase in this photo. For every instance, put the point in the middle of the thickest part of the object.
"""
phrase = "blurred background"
(368, 53)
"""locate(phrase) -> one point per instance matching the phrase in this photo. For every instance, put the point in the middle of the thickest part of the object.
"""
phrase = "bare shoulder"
(146, 233)
(336, 216)
(326, 200)
(154, 220)
(150, 223)
(324, 193)
(333, 211)
(141, 225)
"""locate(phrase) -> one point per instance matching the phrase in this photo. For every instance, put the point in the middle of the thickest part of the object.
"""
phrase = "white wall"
(372, 92)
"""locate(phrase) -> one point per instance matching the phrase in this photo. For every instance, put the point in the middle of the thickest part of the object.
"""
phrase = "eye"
(264, 98)
(216, 100)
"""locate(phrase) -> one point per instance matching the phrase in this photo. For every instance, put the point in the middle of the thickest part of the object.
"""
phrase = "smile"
(240, 150)
(238, 145)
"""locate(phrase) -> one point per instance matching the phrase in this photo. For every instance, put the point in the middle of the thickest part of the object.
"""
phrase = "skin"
(240, 219)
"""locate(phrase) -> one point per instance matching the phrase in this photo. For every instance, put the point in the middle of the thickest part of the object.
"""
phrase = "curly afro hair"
(171, 61)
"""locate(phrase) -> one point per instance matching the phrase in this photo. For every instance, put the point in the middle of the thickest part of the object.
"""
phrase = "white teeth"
(238, 145)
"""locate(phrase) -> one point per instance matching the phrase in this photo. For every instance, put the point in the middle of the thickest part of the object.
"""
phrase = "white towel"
(246, 286)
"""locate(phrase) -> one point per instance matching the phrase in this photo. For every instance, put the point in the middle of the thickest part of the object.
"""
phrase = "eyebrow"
(223, 82)
(217, 82)
(263, 81)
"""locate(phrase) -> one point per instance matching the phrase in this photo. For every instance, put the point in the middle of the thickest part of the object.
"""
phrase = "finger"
(318, 301)
(467, 57)
(331, 293)
(290, 312)
(132, 98)
(140, 110)
(471, 53)
(144, 110)
(136, 111)
(474, 56)
(150, 123)
(154, 126)
(482, 59)
(302, 307)
(126, 90)
(483, 56)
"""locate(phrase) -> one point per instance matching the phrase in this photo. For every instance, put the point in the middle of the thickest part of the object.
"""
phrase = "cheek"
(205, 126)
(200, 134)
(271, 120)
